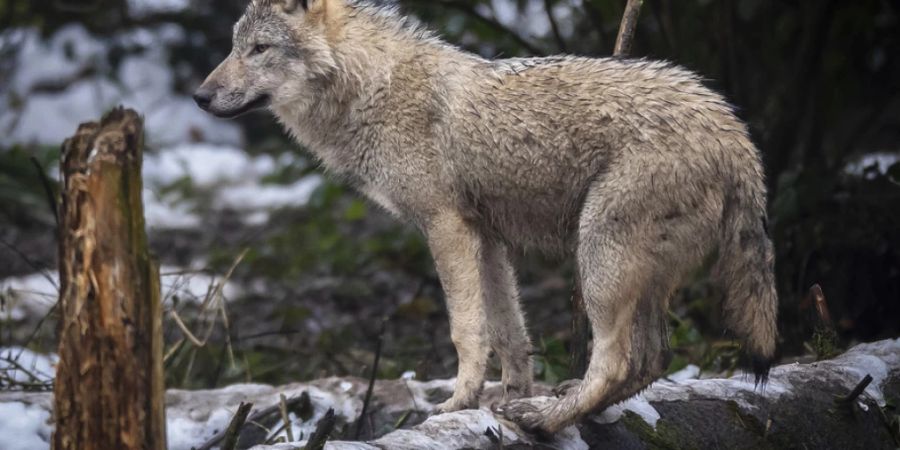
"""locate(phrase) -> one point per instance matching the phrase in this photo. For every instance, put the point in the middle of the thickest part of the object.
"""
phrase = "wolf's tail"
(746, 271)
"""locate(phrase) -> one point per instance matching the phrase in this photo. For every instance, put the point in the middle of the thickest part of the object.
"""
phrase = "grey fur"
(632, 166)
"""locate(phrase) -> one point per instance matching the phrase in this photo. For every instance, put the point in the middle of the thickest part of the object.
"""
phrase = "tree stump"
(109, 384)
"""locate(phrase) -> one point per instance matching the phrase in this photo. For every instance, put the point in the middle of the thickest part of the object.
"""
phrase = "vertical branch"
(109, 385)
(627, 27)
(365, 408)
(554, 26)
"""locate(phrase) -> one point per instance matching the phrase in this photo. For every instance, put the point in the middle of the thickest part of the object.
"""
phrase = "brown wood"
(627, 27)
(109, 390)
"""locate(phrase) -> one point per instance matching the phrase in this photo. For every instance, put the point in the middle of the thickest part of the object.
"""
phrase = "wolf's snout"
(204, 98)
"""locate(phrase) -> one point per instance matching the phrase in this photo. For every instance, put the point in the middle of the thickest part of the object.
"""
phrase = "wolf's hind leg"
(627, 314)
(457, 250)
(632, 252)
(505, 321)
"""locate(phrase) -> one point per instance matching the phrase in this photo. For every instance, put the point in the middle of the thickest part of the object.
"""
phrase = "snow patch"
(166, 212)
(873, 359)
(637, 404)
(269, 196)
(690, 372)
(193, 285)
(882, 161)
(29, 296)
(206, 165)
(64, 55)
(79, 63)
(24, 427)
(139, 8)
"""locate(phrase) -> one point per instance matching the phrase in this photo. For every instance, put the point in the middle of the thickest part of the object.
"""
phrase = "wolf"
(631, 167)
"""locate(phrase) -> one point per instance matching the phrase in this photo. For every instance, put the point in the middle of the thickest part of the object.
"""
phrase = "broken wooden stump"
(109, 388)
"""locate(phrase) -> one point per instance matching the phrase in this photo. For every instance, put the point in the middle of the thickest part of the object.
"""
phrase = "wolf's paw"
(529, 413)
(564, 388)
(456, 404)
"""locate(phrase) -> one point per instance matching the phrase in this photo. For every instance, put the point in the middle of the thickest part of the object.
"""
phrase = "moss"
(744, 420)
(825, 343)
(664, 436)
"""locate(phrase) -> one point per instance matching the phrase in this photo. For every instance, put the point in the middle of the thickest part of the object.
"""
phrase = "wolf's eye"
(259, 49)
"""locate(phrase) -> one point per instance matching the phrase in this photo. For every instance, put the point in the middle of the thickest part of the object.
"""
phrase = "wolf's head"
(280, 49)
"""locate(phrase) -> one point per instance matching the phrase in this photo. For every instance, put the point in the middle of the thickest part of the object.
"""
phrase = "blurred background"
(281, 275)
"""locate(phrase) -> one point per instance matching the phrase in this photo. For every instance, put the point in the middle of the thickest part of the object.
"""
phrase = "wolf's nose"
(203, 99)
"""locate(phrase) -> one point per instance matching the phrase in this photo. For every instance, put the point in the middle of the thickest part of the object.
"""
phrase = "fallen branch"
(233, 432)
(255, 418)
(795, 410)
(323, 431)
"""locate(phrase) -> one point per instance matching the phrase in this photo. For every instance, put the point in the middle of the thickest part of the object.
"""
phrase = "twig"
(403, 419)
(365, 408)
(627, 27)
(554, 26)
(232, 433)
(16, 366)
(256, 417)
(323, 431)
(851, 397)
(37, 329)
(495, 435)
(48, 190)
(32, 264)
(289, 430)
(818, 297)
(214, 293)
(184, 329)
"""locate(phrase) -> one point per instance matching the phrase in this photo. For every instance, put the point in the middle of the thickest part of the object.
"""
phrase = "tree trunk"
(109, 383)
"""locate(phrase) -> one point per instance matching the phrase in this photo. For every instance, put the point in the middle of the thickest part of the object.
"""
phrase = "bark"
(109, 385)
(627, 27)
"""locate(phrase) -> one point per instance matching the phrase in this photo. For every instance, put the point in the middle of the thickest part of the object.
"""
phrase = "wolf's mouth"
(258, 103)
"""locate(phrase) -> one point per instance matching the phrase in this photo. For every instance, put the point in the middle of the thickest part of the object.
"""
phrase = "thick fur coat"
(632, 167)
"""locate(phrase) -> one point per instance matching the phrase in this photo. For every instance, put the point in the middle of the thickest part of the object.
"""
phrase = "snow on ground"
(195, 416)
(24, 427)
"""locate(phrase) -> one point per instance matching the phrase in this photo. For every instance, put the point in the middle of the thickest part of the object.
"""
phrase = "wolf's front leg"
(456, 248)
(505, 321)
